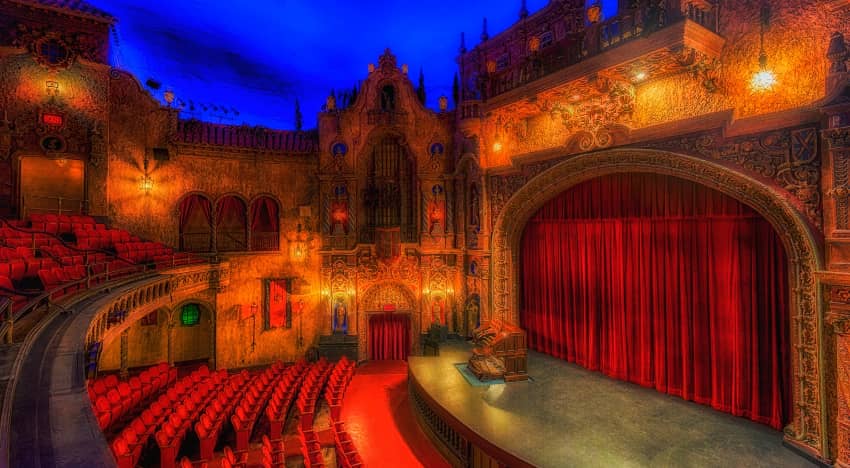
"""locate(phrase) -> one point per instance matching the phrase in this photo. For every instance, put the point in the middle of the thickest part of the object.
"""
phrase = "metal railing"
(265, 241)
(54, 205)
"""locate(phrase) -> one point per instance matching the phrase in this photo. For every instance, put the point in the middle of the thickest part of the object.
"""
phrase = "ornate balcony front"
(641, 44)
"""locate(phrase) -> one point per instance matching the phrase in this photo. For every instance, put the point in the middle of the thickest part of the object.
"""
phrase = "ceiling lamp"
(764, 79)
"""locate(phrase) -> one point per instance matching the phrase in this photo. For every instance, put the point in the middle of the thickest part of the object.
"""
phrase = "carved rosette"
(806, 426)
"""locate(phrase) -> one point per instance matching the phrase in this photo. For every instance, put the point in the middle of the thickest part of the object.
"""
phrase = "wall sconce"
(52, 87)
(764, 79)
(145, 182)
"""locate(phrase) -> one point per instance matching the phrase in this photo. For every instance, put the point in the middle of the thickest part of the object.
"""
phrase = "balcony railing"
(594, 40)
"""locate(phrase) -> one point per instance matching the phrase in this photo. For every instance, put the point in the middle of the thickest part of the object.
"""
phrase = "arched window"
(389, 195)
(388, 98)
(196, 223)
(190, 315)
(231, 224)
(265, 225)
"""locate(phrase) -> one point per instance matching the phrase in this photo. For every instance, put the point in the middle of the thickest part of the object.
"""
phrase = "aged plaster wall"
(234, 328)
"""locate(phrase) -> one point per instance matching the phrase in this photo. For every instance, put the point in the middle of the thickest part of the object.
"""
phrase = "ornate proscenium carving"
(807, 426)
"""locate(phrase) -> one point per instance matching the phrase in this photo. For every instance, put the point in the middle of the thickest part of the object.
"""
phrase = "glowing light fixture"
(145, 182)
(764, 79)
(52, 87)
(638, 76)
(497, 146)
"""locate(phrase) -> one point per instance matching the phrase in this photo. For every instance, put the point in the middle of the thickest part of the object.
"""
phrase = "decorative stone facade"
(390, 205)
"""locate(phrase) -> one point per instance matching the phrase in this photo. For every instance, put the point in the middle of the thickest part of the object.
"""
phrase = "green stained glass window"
(190, 315)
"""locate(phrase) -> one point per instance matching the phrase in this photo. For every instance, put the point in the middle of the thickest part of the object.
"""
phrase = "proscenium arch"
(808, 424)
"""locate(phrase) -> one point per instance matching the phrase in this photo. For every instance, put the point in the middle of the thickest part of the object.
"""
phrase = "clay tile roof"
(78, 7)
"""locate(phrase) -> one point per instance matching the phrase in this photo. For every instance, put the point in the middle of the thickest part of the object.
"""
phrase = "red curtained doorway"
(389, 337)
(664, 283)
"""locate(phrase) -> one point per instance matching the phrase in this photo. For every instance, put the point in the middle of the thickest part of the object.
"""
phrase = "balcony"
(657, 44)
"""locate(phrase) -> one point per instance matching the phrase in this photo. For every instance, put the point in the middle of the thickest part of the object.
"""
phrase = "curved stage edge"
(569, 416)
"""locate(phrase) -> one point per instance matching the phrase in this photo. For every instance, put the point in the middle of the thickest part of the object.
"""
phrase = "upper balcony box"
(640, 44)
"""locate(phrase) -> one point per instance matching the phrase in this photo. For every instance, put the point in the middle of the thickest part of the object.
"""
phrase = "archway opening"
(666, 283)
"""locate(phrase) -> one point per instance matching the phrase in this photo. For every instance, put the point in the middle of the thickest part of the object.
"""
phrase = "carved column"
(840, 323)
(124, 351)
(170, 338)
(836, 182)
(212, 337)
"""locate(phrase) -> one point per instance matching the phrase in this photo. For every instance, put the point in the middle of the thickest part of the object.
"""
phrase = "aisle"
(378, 415)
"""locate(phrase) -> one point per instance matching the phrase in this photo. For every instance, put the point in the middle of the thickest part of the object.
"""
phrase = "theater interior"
(621, 239)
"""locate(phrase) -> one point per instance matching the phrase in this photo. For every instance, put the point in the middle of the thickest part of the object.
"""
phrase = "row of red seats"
(60, 224)
(282, 398)
(346, 454)
(158, 376)
(54, 218)
(254, 400)
(337, 384)
(19, 262)
(113, 399)
(233, 459)
(21, 238)
(311, 449)
(63, 279)
(209, 427)
(309, 394)
(143, 252)
(128, 444)
(103, 238)
(170, 436)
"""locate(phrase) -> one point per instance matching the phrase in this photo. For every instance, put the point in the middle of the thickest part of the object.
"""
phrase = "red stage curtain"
(264, 224)
(196, 223)
(231, 224)
(389, 336)
(665, 283)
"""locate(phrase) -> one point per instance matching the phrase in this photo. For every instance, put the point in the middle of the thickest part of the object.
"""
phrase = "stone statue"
(340, 317)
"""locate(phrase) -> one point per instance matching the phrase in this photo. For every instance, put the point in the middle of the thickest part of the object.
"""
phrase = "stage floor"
(568, 416)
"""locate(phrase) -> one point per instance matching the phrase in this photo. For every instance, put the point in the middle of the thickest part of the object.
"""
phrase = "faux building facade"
(390, 206)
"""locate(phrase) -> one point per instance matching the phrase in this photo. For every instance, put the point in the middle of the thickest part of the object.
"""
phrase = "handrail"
(59, 210)
(32, 335)
(7, 327)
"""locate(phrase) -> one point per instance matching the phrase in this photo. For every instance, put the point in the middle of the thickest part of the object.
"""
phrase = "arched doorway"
(389, 324)
(665, 283)
(807, 427)
(191, 333)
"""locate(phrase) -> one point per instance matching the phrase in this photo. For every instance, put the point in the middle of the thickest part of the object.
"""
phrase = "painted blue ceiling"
(258, 56)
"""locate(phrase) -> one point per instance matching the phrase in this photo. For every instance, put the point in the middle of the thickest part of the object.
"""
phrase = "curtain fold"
(666, 284)
(264, 216)
(389, 336)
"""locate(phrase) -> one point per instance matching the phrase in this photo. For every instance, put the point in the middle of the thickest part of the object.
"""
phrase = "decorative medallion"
(53, 144)
(52, 52)
(339, 150)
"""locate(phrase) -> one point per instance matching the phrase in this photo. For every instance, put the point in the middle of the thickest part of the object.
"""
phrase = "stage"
(568, 416)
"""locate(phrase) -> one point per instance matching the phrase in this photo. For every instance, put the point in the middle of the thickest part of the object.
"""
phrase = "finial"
(484, 35)
(523, 10)
(462, 43)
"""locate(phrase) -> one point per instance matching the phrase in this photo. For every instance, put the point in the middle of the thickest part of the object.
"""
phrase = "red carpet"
(378, 415)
